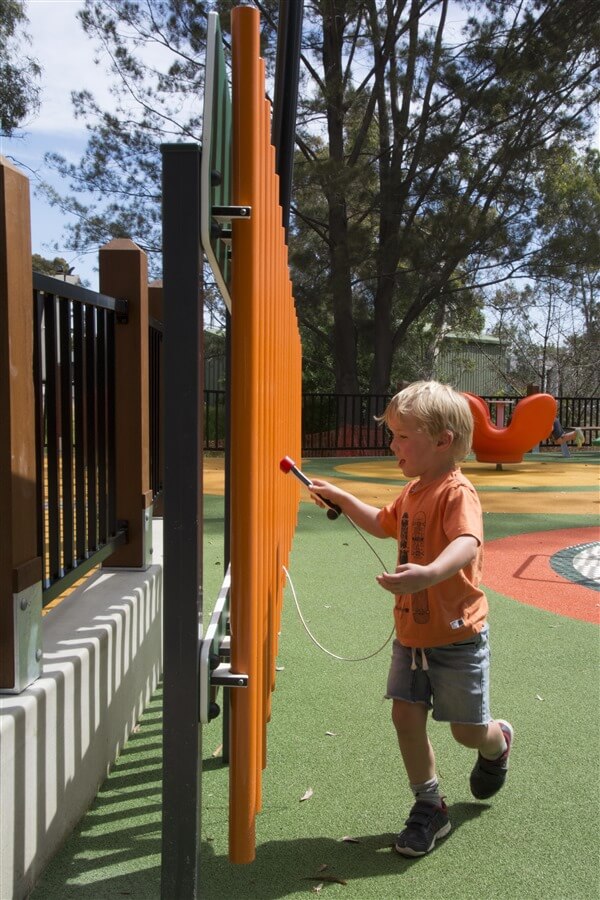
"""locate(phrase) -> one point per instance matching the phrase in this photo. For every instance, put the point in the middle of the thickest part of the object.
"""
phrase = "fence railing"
(344, 425)
(74, 364)
(334, 424)
(81, 436)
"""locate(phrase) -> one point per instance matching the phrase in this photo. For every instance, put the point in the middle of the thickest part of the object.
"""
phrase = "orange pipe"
(266, 408)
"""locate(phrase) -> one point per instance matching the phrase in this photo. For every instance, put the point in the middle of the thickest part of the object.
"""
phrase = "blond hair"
(436, 407)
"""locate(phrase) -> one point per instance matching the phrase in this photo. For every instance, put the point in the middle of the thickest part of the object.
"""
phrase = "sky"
(65, 55)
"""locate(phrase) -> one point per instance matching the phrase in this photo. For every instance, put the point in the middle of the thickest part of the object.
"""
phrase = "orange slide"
(531, 423)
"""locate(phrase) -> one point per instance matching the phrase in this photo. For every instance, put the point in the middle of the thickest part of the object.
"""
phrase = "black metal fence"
(344, 425)
(215, 420)
(74, 347)
(580, 412)
(334, 424)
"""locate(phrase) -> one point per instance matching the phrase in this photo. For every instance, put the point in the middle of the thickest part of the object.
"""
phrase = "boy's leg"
(568, 436)
(410, 721)
(428, 818)
(493, 743)
(487, 739)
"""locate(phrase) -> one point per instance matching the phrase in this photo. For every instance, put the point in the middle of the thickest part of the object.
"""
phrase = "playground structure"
(530, 423)
(234, 203)
(262, 503)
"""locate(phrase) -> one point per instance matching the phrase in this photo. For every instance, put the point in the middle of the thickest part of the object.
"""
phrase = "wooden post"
(124, 275)
(20, 559)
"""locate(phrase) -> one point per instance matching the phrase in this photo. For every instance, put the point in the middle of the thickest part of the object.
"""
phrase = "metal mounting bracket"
(227, 213)
(222, 676)
(214, 649)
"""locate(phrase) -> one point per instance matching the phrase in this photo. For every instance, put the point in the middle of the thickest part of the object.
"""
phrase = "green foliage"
(56, 266)
(551, 343)
(437, 156)
(427, 146)
(569, 217)
(553, 325)
(19, 73)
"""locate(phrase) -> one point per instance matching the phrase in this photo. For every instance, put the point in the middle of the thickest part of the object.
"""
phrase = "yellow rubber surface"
(508, 490)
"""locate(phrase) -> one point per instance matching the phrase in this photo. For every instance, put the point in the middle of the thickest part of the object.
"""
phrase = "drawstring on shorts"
(413, 663)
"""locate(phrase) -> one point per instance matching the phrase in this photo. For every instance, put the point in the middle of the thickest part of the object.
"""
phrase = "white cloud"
(65, 54)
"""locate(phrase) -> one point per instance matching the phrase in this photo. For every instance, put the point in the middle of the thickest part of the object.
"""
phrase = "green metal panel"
(216, 158)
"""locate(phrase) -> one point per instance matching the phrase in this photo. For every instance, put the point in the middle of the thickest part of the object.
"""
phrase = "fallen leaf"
(350, 840)
(537, 697)
(322, 867)
(317, 888)
(217, 750)
(279, 668)
(331, 733)
(307, 795)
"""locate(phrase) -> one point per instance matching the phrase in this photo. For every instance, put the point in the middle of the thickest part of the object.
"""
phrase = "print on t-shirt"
(417, 549)
(420, 600)
(420, 607)
(403, 549)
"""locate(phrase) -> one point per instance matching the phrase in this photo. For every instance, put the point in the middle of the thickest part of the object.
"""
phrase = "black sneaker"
(425, 824)
(489, 775)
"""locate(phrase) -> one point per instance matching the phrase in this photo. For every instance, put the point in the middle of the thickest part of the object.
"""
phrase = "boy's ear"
(445, 439)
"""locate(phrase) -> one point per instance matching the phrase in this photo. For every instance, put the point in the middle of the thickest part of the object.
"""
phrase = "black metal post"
(183, 442)
(285, 102)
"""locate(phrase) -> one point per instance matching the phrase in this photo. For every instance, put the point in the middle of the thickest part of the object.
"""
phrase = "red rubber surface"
(519, 567)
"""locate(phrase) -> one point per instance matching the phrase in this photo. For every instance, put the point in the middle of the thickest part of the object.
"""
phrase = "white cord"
(320, 646)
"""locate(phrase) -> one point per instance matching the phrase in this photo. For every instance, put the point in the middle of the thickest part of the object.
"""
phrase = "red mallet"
(288, 465)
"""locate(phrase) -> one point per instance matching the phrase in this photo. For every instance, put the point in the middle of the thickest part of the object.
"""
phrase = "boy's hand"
(327, 491)
(407, 579)
(410, 577)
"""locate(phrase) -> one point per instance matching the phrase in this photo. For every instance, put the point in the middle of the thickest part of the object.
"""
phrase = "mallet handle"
(288, 466)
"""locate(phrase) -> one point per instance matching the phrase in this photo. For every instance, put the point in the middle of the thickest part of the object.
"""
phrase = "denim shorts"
(456, 686)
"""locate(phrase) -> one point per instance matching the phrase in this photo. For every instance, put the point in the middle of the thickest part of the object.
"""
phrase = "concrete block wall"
(58, 738)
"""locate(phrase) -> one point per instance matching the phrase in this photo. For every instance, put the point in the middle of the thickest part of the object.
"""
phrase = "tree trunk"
(344, 339)
(434, 345)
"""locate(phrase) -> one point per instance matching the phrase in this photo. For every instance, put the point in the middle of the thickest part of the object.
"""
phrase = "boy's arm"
(410, 577)
(362, 514)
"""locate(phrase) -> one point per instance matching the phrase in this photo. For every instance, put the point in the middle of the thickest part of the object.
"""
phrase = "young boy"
(440, 658)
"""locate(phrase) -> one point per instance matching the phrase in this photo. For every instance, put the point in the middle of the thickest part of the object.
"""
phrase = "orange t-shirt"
(424, 520)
